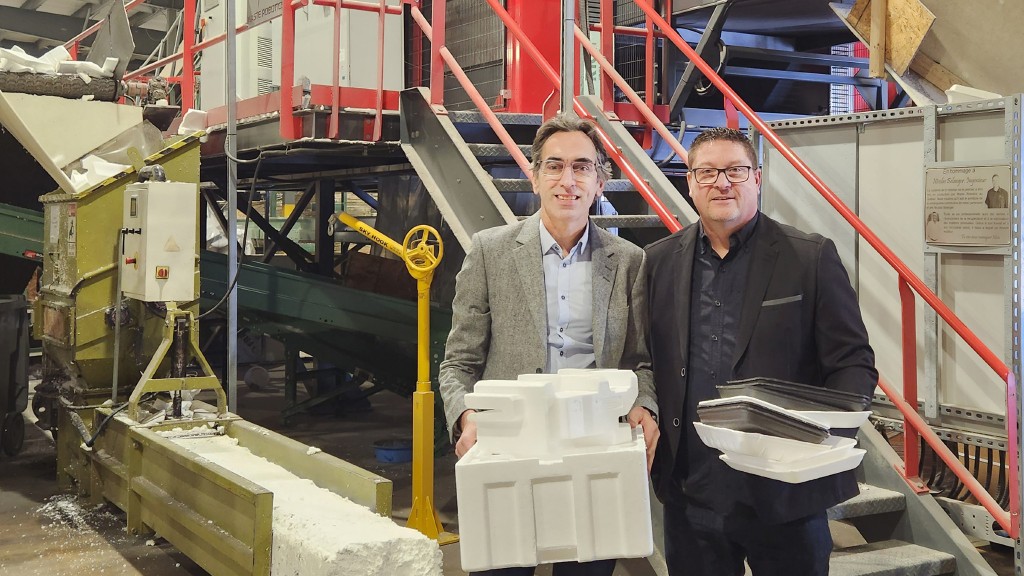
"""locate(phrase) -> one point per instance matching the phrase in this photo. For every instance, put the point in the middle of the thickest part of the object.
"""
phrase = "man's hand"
(638, 416)
(468, 436)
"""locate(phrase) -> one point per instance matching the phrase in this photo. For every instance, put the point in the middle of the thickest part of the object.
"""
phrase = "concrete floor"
(49, 533)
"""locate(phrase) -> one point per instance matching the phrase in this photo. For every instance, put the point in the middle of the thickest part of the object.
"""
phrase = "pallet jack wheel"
(13, 436)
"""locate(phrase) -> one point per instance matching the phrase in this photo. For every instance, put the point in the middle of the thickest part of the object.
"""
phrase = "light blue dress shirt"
(568, 287)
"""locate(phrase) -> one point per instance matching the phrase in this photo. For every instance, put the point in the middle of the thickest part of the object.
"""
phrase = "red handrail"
(641, 106)
(471, 90)
(642, 186)
(911, 418)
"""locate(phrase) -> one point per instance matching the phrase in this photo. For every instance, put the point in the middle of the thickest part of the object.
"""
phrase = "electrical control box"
(159, 260)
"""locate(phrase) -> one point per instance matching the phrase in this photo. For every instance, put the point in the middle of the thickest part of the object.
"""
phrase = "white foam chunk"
(317, 532)
(549, 415)
(554, 476)
(527, 511)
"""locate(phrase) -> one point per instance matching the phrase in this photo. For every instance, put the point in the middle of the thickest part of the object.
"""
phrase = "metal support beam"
(61, 28)
(456, 181)
(324, 239)
(707, 45)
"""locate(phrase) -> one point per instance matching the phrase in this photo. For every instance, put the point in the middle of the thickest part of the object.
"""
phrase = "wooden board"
(908, 21)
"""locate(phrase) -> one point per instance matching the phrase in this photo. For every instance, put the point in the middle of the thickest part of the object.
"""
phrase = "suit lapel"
(684, 285)
(527, 256)
(761, 267)
(604, 262)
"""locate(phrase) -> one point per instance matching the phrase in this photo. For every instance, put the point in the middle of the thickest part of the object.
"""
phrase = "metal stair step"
(890, 558)
(506, 118)
(523, 185)
(496, 150)
(871, 500)
(624, 221)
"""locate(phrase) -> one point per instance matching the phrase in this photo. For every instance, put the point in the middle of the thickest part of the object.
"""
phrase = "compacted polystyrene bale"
(317, 532)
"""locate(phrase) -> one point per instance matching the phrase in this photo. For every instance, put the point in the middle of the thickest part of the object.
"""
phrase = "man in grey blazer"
(553, 291)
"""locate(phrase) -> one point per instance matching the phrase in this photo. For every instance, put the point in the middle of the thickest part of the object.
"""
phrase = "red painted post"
(911, 440)
(188, 38)
(608, 50)
(437, 25)
(290, 125)
(379, 118)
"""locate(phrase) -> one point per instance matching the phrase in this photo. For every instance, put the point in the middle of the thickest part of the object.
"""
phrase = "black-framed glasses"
(581, 169)
(734, 174)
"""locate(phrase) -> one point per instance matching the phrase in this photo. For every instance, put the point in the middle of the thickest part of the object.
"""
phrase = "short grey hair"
(570, 123)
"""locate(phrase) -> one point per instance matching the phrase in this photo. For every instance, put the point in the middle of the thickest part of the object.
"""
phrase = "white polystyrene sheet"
(831, 152)
(59, 131)
(891, 177)
(797, 472)
(973, 287)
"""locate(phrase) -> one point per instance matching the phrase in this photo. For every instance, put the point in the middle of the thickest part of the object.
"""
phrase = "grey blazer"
(499, 315)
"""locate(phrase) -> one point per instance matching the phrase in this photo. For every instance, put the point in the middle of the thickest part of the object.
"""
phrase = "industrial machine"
(121, 363)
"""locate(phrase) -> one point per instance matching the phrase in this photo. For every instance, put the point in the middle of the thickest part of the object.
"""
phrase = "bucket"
(393, 451)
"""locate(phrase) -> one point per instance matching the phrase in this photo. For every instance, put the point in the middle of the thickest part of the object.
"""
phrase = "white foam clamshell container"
(554, 476)
(795, 472)
(760, 445)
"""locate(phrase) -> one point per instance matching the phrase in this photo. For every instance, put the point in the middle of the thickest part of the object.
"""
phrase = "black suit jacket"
(800, 322)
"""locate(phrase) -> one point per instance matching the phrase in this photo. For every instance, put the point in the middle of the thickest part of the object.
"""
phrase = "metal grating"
(476, 38)
(841, 95)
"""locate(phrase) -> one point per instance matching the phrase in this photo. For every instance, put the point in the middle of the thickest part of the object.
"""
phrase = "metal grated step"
(496, 150)
(523, 185)
(890, 558)
(624, 221)
(871, 500)
(506, 118)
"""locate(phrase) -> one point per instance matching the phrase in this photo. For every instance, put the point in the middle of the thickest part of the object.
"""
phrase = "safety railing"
(641, 185)
(914, 425)
(291, 124)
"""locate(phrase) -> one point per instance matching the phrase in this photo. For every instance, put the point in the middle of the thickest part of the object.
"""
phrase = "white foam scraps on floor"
(66, 510)
(317, 532)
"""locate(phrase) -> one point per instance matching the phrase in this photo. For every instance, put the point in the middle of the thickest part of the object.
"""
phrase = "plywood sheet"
(907, 23)
(980, 42)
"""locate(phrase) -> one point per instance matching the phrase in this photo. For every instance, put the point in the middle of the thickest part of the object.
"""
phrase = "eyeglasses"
(734, 174)
(581, 169)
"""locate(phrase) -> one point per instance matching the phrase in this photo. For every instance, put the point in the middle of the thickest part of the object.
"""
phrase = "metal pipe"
(231, 147)
(909, 342)
(437, 18)
(378, 119)
(365, 197)
(568, 49)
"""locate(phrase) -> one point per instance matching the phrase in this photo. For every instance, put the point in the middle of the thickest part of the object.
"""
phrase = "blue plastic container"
(393, 451)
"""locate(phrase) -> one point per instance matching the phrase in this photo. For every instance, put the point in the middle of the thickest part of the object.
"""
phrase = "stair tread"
(496, 150)
(523, 185)
(871, 500)
(890, 558)
(623, 220)
(506, 118)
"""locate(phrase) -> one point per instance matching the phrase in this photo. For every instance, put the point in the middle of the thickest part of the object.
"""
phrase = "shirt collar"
(736, 241)
(549, 244)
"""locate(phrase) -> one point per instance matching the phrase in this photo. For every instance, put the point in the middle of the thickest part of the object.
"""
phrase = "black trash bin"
(14, 350)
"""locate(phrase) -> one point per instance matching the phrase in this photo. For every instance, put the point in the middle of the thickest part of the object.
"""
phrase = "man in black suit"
(739, 295)
(997, 196)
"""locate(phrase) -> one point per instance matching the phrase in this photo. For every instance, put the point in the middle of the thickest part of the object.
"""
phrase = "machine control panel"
(160, 231)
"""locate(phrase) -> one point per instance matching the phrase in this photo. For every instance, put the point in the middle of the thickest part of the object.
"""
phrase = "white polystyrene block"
(528, 511)
(551, 415)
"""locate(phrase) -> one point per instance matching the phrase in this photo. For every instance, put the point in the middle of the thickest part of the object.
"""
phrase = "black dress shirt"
(717, 290)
